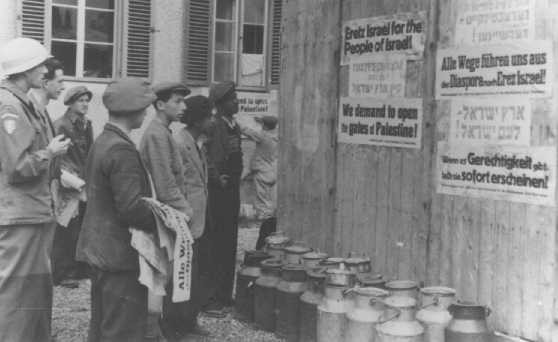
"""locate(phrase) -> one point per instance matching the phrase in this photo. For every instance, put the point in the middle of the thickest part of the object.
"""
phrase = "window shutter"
(139, 38)
(276, 42)
(33, 19)
(198, 42)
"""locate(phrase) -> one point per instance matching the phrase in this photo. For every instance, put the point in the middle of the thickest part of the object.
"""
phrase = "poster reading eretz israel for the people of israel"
(400, 33)
(393, 122)
(510, 173)
(519, 68)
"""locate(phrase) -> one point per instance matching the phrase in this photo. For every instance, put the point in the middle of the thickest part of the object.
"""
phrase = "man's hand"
(59, 145)
(224, 180)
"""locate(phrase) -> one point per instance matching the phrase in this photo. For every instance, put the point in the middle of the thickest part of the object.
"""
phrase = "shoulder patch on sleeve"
(9, 118)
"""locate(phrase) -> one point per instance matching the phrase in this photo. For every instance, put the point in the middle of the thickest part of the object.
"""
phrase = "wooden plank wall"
(496, 252)
(382, 201)
(308, 107)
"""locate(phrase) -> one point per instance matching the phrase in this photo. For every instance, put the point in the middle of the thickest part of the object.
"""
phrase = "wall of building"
(383, 201)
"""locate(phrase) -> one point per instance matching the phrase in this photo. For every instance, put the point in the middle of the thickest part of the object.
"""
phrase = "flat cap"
(75, 93)
(174, 87)
(219, 91)
(128, 95)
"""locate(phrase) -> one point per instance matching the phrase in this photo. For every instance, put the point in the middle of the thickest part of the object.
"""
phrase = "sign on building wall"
(522, 68)
(489, 21)
(505, 120)
(387, 122)
(379, 76)
(511, 173)
(254, 104)
(402, 33)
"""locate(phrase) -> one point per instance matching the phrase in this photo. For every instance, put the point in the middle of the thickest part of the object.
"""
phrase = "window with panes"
(82, 36)
(240, 42)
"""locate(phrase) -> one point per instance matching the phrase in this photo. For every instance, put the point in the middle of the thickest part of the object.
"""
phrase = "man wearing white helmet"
(27, 149)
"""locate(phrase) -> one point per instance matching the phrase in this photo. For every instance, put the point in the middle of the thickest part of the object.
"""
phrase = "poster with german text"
(510, 173)
(510, 69)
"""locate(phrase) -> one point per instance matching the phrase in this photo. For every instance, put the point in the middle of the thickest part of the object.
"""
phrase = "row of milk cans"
(303, 295)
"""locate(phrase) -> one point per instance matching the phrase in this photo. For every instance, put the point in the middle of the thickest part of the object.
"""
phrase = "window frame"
(80, 41)
(239, 39)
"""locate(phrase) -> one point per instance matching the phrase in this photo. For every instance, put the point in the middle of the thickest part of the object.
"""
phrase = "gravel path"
(71, 310)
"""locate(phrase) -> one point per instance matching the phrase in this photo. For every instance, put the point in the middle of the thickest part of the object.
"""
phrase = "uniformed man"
(163, 161)
(75, 125)
(116, 182)
(225, 169)
(27, 148)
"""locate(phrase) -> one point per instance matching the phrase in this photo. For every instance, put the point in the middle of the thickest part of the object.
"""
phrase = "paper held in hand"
(70, 180)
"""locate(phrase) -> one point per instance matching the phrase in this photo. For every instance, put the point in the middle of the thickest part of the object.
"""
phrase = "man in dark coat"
(116, 182)
(225, 170)
(75, 125)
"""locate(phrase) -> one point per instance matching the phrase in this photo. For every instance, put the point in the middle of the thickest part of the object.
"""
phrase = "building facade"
(194, 41)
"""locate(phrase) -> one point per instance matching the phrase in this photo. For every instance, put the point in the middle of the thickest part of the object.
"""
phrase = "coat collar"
(112, 128)
(75, 117)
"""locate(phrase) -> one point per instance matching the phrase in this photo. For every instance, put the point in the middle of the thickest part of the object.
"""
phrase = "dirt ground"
(71, 309)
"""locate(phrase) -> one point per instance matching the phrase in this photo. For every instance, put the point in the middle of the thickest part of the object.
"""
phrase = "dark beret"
(128, 95)
(75, 93)
(219, 91)
(197, 108)
(269, 121)
(174, 87)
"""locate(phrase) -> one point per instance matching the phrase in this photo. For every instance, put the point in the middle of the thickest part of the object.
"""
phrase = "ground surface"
(71, 310)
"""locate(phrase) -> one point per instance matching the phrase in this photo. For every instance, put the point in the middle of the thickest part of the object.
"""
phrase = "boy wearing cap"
(192, 152)
(225, 169)
(162, 159)
(75, 125)
(116, 181)
(27, 149)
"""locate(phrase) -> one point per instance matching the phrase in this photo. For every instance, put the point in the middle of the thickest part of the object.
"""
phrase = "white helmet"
(21, 54)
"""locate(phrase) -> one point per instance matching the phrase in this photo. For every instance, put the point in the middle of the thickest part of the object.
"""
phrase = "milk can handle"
(397, 314)
(488, 311)
(347, 291)
(435, 302)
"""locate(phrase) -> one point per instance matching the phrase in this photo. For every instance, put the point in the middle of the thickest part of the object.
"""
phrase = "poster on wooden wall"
(494, 21)
(379, 76)
(504, 120)
(510, 173)
(521, 68)
(401, 33)
(380, 122)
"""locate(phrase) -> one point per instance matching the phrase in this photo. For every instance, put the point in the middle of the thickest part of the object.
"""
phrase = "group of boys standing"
(194, 168)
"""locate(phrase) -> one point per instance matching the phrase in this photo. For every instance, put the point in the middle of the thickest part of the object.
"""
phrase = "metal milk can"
(468, 323)
(368, 310)
(275, 243)
(434, 314)
(405, 288)
(294, 253)
(246, 276)
(358, 264)
(309, 301)
(264, 294)
(287, 301)
(313, 259)
(331, 314)
(399, 323)
(333, 263)
(371, 280)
